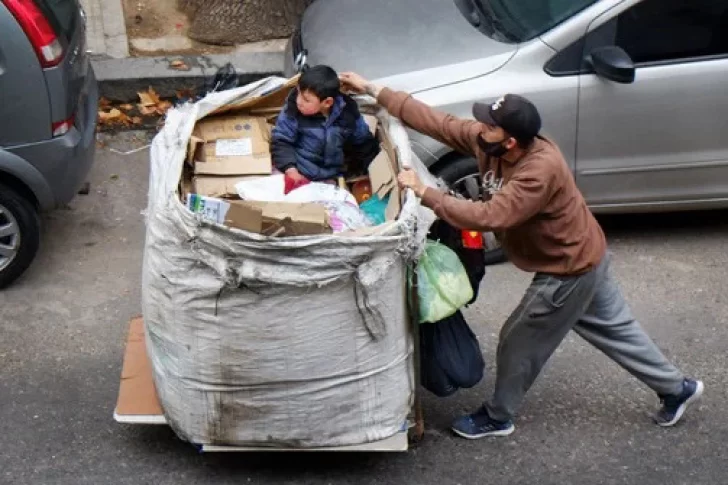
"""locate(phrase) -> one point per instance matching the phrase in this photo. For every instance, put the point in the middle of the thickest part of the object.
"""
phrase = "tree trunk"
(227, 22)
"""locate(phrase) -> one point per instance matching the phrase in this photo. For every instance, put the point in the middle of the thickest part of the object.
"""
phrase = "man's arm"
(283, 141)
(461, 135)
(521, 199)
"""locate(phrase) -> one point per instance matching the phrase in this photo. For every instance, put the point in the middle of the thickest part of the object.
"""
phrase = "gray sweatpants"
(593, 306)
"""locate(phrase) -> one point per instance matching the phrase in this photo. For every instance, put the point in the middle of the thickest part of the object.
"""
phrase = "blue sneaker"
(673, 407)
(479, 425)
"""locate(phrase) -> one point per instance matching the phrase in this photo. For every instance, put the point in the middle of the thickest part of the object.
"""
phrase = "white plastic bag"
(272, 189)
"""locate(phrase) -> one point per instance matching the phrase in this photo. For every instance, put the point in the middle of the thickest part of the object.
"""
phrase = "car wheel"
(462, 177)
(19, 235)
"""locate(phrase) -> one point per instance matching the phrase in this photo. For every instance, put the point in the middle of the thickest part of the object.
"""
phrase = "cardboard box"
(269, 218)
(223, 212)
(231, 145)
(291, 219)
(216, 186)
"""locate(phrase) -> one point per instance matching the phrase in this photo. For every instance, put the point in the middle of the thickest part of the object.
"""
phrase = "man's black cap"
(515, 114)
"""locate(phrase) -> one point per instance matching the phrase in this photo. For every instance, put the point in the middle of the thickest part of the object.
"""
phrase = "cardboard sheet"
(137, 394)
(292, 219)
(218, 186)
(231, 145)
(372, 123)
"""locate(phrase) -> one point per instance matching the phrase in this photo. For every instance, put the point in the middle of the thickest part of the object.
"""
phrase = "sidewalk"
(121, 76)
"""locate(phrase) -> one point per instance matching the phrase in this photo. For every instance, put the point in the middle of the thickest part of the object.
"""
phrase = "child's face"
(309, 104)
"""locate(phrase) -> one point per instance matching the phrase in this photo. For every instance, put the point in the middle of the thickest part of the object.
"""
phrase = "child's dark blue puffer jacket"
(315, 145)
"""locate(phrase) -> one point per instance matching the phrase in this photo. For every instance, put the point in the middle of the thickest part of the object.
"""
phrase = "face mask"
(494, 149)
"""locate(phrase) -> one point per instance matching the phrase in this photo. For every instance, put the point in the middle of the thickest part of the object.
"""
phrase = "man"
(545, 227)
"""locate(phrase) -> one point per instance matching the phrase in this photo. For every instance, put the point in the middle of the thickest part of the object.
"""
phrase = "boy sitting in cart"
(315, 128)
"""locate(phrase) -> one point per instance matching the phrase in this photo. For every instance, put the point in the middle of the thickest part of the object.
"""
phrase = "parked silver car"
(634, 91)
(48, 111)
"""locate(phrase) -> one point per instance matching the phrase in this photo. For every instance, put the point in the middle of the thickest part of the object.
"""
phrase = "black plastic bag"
(225, 78)
(450, 356)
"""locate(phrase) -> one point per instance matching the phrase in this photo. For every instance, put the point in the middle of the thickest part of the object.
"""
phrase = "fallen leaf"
(179, 65)
(109, 116)
(147, 110)
(187, 93)
(163, 107)
(124, 119)
(114, 177)
(137, 120)
(104, 103)
(127, 107)
(149, 97)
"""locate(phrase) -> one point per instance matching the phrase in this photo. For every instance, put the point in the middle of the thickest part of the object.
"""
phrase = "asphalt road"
(62, 328)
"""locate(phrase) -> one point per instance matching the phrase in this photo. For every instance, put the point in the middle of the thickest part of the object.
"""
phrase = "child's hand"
(293, 174)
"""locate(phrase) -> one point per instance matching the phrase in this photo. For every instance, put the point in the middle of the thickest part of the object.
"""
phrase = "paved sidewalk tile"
(106, 32)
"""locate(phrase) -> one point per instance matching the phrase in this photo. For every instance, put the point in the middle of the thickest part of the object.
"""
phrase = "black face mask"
(493, 149)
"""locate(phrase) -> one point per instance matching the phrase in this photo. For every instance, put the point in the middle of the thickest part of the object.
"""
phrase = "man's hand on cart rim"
(355, 83)
(408, 179)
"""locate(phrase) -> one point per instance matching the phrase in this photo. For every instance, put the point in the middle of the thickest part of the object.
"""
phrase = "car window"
(519, 21)
(62, 15)
(666, 30)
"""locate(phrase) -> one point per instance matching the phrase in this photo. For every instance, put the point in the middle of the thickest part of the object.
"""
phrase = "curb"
(121, 79)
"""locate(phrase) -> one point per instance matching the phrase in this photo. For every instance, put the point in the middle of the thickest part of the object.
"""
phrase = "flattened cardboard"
(244, 217)
(233, 145)
(215, 186)
(137, 393)
(231, 127)
(297, 219)
(372, 122)
(210, 164)
(380, 174)
(272, 99)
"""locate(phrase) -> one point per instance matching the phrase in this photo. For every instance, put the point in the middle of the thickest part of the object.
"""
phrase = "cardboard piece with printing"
(232, 145)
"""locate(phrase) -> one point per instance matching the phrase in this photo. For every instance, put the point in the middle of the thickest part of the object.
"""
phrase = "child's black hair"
(320, 80)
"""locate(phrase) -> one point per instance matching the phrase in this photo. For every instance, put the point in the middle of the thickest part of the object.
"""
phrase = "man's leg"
(550, 308)
(608, 324)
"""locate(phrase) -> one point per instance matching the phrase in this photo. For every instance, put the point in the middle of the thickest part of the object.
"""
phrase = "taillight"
(62, 127)
(472, 239)
(39, 31)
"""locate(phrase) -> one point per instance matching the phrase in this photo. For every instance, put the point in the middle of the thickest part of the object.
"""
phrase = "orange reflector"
(472, 239)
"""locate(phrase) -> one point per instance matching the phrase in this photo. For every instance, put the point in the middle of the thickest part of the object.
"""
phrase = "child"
(315, 127)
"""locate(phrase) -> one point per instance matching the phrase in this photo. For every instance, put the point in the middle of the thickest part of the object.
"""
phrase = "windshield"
(517, 21)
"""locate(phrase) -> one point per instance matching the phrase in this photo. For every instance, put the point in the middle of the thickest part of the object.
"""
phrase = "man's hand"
(293, 174)
(408, 179)
(355, 83)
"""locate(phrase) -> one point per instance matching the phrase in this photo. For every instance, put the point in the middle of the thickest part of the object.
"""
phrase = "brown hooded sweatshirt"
(536, 210)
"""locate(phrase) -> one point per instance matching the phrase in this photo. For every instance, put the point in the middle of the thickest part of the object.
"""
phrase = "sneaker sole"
(700, 387)
(501, 432)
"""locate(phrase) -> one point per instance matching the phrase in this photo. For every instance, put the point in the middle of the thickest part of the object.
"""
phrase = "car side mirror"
(613, 63)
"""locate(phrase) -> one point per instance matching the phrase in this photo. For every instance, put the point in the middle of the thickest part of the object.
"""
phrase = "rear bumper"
(65, 162)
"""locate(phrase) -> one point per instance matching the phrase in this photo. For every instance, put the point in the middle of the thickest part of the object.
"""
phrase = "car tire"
(460, 169)
(17, 212)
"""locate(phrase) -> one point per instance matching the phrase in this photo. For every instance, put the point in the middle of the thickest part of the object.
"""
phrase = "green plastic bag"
(443, 286)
